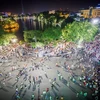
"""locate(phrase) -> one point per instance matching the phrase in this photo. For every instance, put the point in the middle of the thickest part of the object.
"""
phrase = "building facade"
(91, 12)
(52, 12)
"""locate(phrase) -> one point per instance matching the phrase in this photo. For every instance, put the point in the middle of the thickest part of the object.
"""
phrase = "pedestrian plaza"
(48, 73)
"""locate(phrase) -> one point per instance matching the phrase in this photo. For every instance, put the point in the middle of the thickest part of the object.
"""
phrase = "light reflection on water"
(28, 24)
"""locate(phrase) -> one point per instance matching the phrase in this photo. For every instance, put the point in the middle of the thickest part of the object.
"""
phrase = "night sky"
(36, 6)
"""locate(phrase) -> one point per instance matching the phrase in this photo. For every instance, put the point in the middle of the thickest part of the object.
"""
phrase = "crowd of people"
(82, 59)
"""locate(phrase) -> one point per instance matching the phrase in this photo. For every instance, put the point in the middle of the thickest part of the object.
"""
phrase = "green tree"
(40, 20)
(79, 31)
(67, 21)
(52, 20)
(29, 36)
(6, 38)
(10, 25)
(51, 34)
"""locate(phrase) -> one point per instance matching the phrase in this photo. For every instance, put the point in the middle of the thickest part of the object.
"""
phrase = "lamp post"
(22, 6)
(14, 40)
(35, 39)
(96, 21)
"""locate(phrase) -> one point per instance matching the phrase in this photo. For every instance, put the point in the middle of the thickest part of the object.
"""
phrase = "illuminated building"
(8, 13)
(64, 15)
(91, 12)
(5, 14)
(52, 12)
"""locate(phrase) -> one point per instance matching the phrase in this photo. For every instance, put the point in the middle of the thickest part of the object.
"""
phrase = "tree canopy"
(32, 35)
(72, 32)
(10, 25)
(5, 37)
(51, 34)
(79, 31)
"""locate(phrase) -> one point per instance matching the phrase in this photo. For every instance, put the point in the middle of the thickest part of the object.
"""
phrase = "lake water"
(28, 24)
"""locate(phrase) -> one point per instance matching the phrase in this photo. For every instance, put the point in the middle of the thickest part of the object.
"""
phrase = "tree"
(10, 26)
(79, 31)
(40, 20)
(6, 38)
(66, 21)
(30, 35)
(52, 20)
(7, 30)
(51, 34)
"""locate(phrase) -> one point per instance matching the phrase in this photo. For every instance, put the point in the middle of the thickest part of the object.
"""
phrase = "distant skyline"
(36, 6)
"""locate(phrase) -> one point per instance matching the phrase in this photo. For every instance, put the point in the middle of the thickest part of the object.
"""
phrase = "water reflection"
(28, 24)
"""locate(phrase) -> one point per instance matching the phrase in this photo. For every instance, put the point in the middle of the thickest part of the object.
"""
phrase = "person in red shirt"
(47, 89)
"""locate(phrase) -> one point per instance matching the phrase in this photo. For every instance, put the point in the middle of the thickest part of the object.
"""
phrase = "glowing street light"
(80, 43)
(95, 21)
(14, 40)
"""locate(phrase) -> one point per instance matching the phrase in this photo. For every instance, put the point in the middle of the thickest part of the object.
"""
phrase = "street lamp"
(14, 40)
(34, 38)
(80, 43)
(95, 21)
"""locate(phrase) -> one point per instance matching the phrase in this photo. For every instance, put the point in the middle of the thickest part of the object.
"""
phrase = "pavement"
(7, 90)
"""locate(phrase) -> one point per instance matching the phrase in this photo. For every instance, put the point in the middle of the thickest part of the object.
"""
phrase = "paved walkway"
(8, 87)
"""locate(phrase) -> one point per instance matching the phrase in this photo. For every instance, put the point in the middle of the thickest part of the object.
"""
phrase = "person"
(44, 92)
(57, 65)
(68, 84)
(32, 97)
(38, 97)
(57, 98)
(18, 97)
(41, 95)
(52, 85)
(0, 87)
(59, 75)
(36, 78)
(47, 89)
(50, 80)
(1, 74)
(61, 98)
(77, 94)
(16, 88)
(50, 98)
(81, 93)
(85, 94)
(54, 79)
